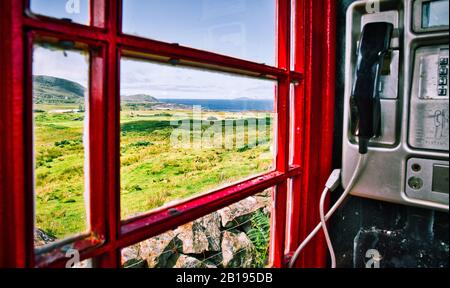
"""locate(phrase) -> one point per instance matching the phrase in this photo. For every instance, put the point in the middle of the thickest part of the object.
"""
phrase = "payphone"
(397, 101)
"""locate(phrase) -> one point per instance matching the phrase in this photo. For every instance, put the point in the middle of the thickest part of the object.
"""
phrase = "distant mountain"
(138, 99)
(144, 102)
(52, 90)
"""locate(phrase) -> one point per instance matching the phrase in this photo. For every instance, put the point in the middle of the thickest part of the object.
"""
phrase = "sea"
(231, 105)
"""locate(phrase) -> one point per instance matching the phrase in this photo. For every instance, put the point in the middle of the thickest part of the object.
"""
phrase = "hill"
(52, 90)
(138, 99)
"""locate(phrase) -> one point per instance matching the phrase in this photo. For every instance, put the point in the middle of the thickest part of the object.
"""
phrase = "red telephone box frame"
(304, 138)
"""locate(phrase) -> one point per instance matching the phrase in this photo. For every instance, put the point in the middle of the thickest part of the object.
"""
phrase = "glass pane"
(234, 237)
(185, 131)
(239, 28)
(60, 81)
(74, 10)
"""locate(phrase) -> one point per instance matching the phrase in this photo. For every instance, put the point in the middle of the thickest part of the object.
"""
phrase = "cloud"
(70, 65)
(160, 80)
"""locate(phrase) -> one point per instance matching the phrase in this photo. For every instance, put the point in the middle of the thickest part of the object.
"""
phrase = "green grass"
(153, 172)
(59, 160)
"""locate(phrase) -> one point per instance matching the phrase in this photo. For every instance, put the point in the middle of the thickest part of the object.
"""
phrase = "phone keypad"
(443, 76)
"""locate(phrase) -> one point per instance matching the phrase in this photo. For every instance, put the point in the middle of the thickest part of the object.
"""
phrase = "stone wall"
(219, 239)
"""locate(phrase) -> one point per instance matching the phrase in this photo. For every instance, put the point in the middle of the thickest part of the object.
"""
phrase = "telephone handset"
(365, 100)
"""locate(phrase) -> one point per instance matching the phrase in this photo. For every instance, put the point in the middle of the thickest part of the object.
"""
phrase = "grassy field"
(154, 172)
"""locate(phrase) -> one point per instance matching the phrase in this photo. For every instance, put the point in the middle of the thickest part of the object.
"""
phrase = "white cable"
(331, 211)
(331, 185)
(324, 227)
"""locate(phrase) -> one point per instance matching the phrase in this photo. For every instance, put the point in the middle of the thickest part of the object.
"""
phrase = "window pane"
(239, 28)
(75, 10)
(185, 131)
(234, 237)
(60, 81)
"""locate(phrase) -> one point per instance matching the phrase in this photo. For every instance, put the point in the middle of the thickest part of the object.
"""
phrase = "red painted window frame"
(304, 133)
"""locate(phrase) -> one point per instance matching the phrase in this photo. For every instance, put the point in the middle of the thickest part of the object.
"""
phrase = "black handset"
(365, 101)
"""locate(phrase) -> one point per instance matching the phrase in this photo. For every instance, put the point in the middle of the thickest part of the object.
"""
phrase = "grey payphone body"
(408, 161)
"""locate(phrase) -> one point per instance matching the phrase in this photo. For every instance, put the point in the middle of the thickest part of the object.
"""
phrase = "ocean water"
(233, 105)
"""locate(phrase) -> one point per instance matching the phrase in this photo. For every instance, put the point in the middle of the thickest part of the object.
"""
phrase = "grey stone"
(194, 239)
(237, 250)
(240, 212)
(131, 257)
(185, 261)
(200, 236)
(161, 250)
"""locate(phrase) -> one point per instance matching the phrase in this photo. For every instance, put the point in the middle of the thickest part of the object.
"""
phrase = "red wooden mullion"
(297, 129)
(166, 219)
(15, 215)
(99, 13)
(111, 258)
(328, 79)
(97, 151)
(149, 46)
(278, 219)
(310, 160)
(319, 69)
(99, 123)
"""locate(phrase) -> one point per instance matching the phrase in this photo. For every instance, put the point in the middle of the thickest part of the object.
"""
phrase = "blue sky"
(57, 8)
(239, 28)
(71, 65)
